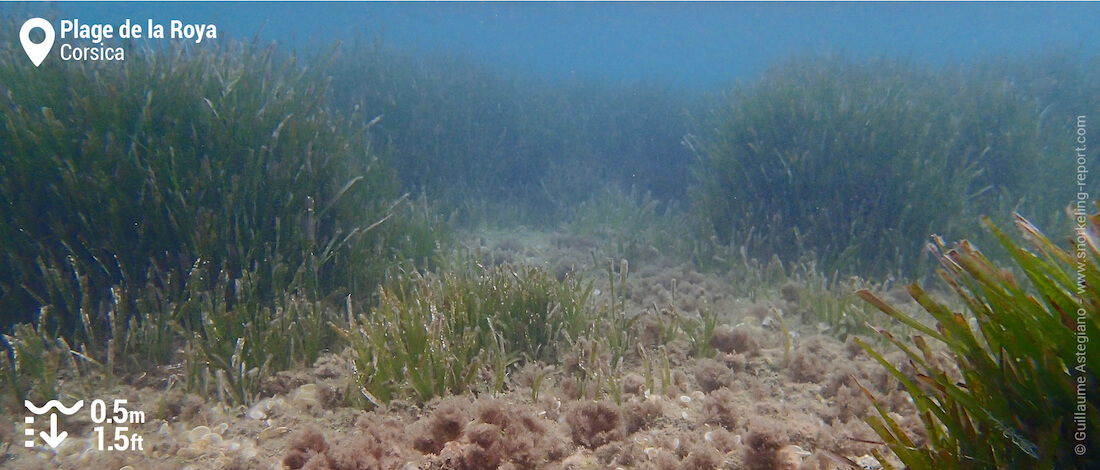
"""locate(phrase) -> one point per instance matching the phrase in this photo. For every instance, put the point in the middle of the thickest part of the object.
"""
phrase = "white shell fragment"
(198, 433)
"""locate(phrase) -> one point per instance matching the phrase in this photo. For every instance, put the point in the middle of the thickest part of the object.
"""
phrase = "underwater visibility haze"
(520, 235)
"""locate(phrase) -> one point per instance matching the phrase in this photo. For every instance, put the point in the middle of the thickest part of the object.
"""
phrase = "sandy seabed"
(746, 408)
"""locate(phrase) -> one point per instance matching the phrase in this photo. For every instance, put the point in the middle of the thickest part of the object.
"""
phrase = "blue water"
(691, 45)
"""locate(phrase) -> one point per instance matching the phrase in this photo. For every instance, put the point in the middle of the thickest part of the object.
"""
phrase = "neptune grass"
(243, 341)
(220, 215)
(432, 335)
(834, 304)
(1019, 402)
(32, 365)
(238, 164)
(619, 325)
(859, 162)
(699, 331)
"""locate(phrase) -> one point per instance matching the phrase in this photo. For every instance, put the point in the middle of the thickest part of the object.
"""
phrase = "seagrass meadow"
(368, 257)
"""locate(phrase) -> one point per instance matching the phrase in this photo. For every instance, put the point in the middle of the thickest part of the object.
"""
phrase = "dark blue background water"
(694, 45)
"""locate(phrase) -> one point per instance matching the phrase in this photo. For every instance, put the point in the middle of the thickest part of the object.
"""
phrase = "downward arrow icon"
(53, 438)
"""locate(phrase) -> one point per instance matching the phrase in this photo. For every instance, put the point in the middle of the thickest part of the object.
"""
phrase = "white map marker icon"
(37, 52)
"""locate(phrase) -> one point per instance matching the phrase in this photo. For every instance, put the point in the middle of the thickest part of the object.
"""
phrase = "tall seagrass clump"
(193, 195)
(1019, 388)
(858, 162)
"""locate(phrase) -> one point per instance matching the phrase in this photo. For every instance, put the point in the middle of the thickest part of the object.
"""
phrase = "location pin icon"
(37, 52)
